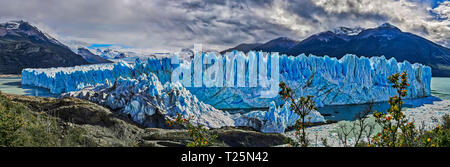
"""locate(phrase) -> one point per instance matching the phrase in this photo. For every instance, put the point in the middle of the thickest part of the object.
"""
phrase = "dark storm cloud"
(162, 25)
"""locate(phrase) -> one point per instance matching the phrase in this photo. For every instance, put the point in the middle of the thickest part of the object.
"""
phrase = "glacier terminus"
(158, 88)
(349, 80)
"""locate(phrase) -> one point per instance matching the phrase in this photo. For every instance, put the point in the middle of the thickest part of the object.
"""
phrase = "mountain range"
(385, 40)
(114, 54)
(25, 46)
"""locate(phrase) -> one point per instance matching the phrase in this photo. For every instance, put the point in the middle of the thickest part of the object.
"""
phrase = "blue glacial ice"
(144, 90)
(349, 80)
(151, 104)
(66, 79)
(276, 120)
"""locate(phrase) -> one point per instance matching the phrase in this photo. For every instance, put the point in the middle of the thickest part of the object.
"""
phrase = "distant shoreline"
(9, 75)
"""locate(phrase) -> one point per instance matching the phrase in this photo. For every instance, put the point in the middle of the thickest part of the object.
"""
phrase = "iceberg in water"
(349, 80)
(276, 120)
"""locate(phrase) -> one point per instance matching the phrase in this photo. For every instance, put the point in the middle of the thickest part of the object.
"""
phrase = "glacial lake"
(12, 85)
(440, 89)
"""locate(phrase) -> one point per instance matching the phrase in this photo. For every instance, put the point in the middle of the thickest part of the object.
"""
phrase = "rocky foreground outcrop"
(103, 127)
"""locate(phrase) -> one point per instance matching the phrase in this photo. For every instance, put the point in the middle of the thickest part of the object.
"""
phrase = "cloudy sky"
(163, 25)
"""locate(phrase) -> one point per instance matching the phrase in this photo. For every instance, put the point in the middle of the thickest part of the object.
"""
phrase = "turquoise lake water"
(12, 85)
(440, 89)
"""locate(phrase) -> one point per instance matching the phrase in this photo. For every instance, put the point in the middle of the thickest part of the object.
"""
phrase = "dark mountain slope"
(276, 45)
(90, 57)
(386, 40)
(24, 46)
(245, 47)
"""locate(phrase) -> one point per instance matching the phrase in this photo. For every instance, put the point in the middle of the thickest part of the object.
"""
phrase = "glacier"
(144, 90)
(66, 79)
(151, 104)
(349, 80)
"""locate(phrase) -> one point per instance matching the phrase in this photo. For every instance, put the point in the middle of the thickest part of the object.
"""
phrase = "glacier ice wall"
(349, 80)
(66, 79)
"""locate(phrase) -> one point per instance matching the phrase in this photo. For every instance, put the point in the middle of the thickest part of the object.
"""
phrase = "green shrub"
(11, 121)
(20, 126)
(439, 136)
(301, 106)
(200, 135)
(446, 121)
(397, 130)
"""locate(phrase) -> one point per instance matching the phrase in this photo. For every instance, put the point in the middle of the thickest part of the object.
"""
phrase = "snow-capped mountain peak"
(387, 25)
(348, 31)
(24, 29)
(25, 46)
(11, 25)
(109, 53)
